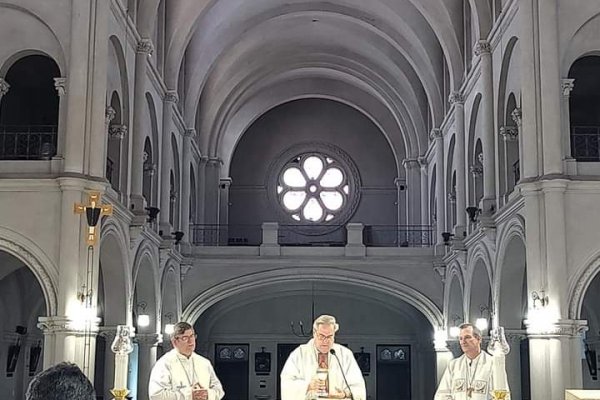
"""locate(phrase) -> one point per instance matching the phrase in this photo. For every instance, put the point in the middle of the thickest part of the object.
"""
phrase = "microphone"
(332, 352)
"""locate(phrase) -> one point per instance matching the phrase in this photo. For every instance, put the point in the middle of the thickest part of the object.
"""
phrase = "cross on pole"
(93, 210)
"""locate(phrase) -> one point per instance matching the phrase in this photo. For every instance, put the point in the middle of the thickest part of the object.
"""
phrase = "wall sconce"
(482, 323)
(13, 352)
(539, 299)
(152, 213)
(178, 236)
(34, 357)
(592, 363)
(473, 213)
(447, 236)
(143, 319)
(169, 327)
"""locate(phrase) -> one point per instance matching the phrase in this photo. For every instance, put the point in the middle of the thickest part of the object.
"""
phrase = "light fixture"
(540, 299)
(482, 322)
(300, 332)
(178, 235)
(473, 213)
(143, 319)
(152, 213)
(447, 236)
(592, 363)
(169, 327)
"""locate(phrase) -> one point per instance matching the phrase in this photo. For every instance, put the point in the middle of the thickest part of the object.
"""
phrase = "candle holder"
(121, 346)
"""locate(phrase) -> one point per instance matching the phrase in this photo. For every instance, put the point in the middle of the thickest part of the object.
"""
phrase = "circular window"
(315, 186)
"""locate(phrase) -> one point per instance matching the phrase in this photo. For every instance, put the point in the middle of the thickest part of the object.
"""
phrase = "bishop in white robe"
(299, 375)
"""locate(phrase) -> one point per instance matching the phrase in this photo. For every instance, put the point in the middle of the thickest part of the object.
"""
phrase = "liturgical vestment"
(301, 367)
(466, 379)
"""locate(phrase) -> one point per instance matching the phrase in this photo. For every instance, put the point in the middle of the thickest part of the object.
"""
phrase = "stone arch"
(257, 280)
(583, 278)
(478, 275)
(453, 294)
(40, 265)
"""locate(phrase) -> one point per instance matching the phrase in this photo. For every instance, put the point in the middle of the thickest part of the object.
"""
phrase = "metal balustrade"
(32, 142)
(398, 235)
(585, 143)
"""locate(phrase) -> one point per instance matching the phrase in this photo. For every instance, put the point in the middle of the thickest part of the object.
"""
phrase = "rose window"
(313, 188)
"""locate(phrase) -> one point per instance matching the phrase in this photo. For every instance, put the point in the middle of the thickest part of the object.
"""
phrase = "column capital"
(148, 339)
(145, 46)
(435, 133)
(560, 328)
(476, 170)
(567, 85)
(117, 131)
(4, 87)
(171, 96)
(224, 183)
(109, 114)
(399, 182)
(423, 162)
(410, 163)
(509, 133)
(214, 161)
(517, 116)
(189, 133)
(64, 324)
(60, 84)
(452, 197)
(456, 98)
(184, 269)
(482, 47)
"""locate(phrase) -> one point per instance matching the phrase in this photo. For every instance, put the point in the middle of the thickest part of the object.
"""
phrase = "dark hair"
(476, 331)
(63, 381)
(180, 328)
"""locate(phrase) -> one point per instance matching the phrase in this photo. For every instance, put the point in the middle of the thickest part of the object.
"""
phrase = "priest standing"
(469, 377)
(343, 379)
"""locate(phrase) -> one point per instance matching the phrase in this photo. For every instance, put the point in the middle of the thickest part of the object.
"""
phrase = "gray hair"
(476, 331)
(180, 328)
(325, 320)
(64, 381)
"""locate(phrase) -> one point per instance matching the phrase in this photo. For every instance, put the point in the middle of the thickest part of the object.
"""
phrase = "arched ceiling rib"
(393, 50)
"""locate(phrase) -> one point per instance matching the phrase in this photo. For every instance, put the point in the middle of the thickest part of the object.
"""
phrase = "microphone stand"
(332, 352)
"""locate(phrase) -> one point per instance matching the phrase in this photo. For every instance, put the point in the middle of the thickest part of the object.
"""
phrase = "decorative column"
(401, 200)
(567, 86)
(224, 185)
(60, 84)
(108, 333)
(4, 87)
(211, 191)
(201, 190)
(86, 99)
(184, 223)
(510, 135)
(437, 137)
(457, 100)
(516, 117)
(166, 159)
(424, 192)
(411, 192)
(484, 51)
(147, 343)
(117, 133)
(513, 362)
(143, 50)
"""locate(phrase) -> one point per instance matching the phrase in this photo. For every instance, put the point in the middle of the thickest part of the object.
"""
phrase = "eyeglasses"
(186, 338)
(323, 338)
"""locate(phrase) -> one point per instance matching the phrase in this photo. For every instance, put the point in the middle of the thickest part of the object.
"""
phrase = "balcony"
(32, 142)
(585, 143)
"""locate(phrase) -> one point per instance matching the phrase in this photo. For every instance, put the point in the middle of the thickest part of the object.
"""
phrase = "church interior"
(245, 166)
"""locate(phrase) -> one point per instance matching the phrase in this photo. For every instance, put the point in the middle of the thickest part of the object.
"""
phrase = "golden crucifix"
(93, 210)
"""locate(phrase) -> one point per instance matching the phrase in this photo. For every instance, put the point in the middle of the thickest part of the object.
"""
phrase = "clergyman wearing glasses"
(182, 374)
(322, 368)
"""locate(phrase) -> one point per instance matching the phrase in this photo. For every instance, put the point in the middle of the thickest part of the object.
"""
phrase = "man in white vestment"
(469, 377)
(182, 374)
(299, 380)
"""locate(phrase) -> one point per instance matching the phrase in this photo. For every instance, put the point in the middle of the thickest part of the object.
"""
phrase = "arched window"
(584, 108)
(29, 110)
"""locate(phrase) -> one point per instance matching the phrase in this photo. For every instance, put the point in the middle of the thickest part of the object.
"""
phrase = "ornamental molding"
(563, 328)
(145, 46)
(4, 87)
(117, 131)
(66, 325)
(109, 114)
(456, 98)
(482, 47)
(148, 339)
(567, 85)
(476, 170)
(517, 116)
(480, 158)
(509, 133)
(171, 96)
(435, 133)
(189, 133)
(60, 84)
(423, 162)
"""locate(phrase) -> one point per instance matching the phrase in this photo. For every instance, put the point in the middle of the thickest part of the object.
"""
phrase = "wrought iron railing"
(398, 235)
(323, 235)
(585, 143)
(226, 235)
(32, 142)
